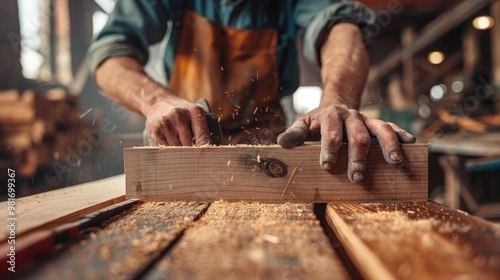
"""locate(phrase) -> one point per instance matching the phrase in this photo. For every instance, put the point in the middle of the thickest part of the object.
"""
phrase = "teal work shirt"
(134, 25)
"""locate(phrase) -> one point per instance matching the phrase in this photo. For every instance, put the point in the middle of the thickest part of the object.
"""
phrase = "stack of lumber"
(37, 128)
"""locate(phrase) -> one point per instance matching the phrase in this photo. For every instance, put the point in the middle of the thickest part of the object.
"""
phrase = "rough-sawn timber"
(269, 174)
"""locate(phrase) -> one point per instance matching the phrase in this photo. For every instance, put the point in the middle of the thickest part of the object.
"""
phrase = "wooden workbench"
(454, 152)
(156, 240)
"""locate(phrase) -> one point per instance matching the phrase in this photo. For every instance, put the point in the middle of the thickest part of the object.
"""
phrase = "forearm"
(345, 66)
(124, 80)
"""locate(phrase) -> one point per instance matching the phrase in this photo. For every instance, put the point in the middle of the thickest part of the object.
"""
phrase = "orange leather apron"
(236, 71)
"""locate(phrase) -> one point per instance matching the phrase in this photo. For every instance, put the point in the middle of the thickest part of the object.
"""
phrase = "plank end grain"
(269, 174)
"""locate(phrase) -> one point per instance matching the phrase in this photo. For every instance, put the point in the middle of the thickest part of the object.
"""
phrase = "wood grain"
(269, 174)
(252, 241)
(416, 241)
(125, 247)
(47, 210)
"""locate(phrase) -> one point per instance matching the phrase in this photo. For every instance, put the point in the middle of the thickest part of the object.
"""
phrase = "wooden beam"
(269, 174)
(415, 241)
(407, 39)
(495, 42)
(253, 241)
(475, 145)
(472, 51)
(429, 34)
(10, 46)
(53, 208)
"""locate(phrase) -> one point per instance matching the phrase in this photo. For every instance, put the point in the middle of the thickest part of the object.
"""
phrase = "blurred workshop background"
(435, 71)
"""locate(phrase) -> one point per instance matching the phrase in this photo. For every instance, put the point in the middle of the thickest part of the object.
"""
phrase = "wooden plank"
(16, 108)
(39, 243)
(125, 247)
(474, 145)
(252, 241)
(495, 44)
(416, 241)
(269, 174)
(53, 208)
(407, 39)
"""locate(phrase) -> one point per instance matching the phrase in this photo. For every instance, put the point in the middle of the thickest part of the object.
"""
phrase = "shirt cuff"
(322, 23)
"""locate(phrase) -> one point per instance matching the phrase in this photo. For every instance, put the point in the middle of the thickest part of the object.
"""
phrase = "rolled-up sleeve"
(318, 17)
(131, 28)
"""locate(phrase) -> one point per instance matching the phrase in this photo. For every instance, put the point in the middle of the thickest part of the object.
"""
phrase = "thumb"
(295, 135)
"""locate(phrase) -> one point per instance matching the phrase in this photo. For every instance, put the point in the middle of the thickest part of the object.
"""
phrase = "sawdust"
(425, 238)
(126, 244)
(253, 240)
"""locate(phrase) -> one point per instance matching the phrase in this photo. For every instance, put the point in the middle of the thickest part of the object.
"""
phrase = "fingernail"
(395, 156)
(409, 135)
(327, 166)
(358, 176)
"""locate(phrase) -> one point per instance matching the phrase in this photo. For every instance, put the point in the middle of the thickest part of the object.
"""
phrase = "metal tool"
(212, 122)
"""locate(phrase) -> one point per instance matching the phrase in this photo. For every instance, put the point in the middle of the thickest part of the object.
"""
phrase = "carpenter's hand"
(329, 124)
(177, 122)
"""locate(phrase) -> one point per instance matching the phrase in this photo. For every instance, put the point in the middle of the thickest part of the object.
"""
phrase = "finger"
(170, 134)
(180, 129)
(402, 134)
(331, 140)
(199, 127)
(387, 138)
(358, 145)
(295, 135)
(158, 137)
(186, 137)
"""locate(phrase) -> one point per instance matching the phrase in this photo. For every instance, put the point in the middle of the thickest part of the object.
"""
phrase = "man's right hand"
(170, 120)
(177, 122)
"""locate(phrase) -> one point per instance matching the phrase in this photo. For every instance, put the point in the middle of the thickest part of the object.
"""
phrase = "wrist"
(154, 97)
(342, 96)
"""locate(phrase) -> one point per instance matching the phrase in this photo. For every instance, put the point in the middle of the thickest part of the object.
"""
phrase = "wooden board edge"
(74, 216)
(69, 215)
(367, 263)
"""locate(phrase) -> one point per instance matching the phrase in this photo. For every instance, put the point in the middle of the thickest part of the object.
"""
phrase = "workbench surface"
(182, 240)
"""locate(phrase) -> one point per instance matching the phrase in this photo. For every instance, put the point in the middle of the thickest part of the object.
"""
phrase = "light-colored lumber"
(416, 241)
(476, 145)
(126, 246)
(16, 108)
(49, 209)
(252, 241)
(269, 174)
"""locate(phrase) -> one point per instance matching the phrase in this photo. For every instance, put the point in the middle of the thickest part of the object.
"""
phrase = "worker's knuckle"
(385, 127)
(335, 110)
(333, 137)
(175, 116)
(361, 140)
(176, 113)
(196, 111)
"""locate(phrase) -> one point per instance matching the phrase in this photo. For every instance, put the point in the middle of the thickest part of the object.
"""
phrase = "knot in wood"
(275, 168)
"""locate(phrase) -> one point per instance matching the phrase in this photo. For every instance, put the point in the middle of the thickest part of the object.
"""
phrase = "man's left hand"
(330, 123)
